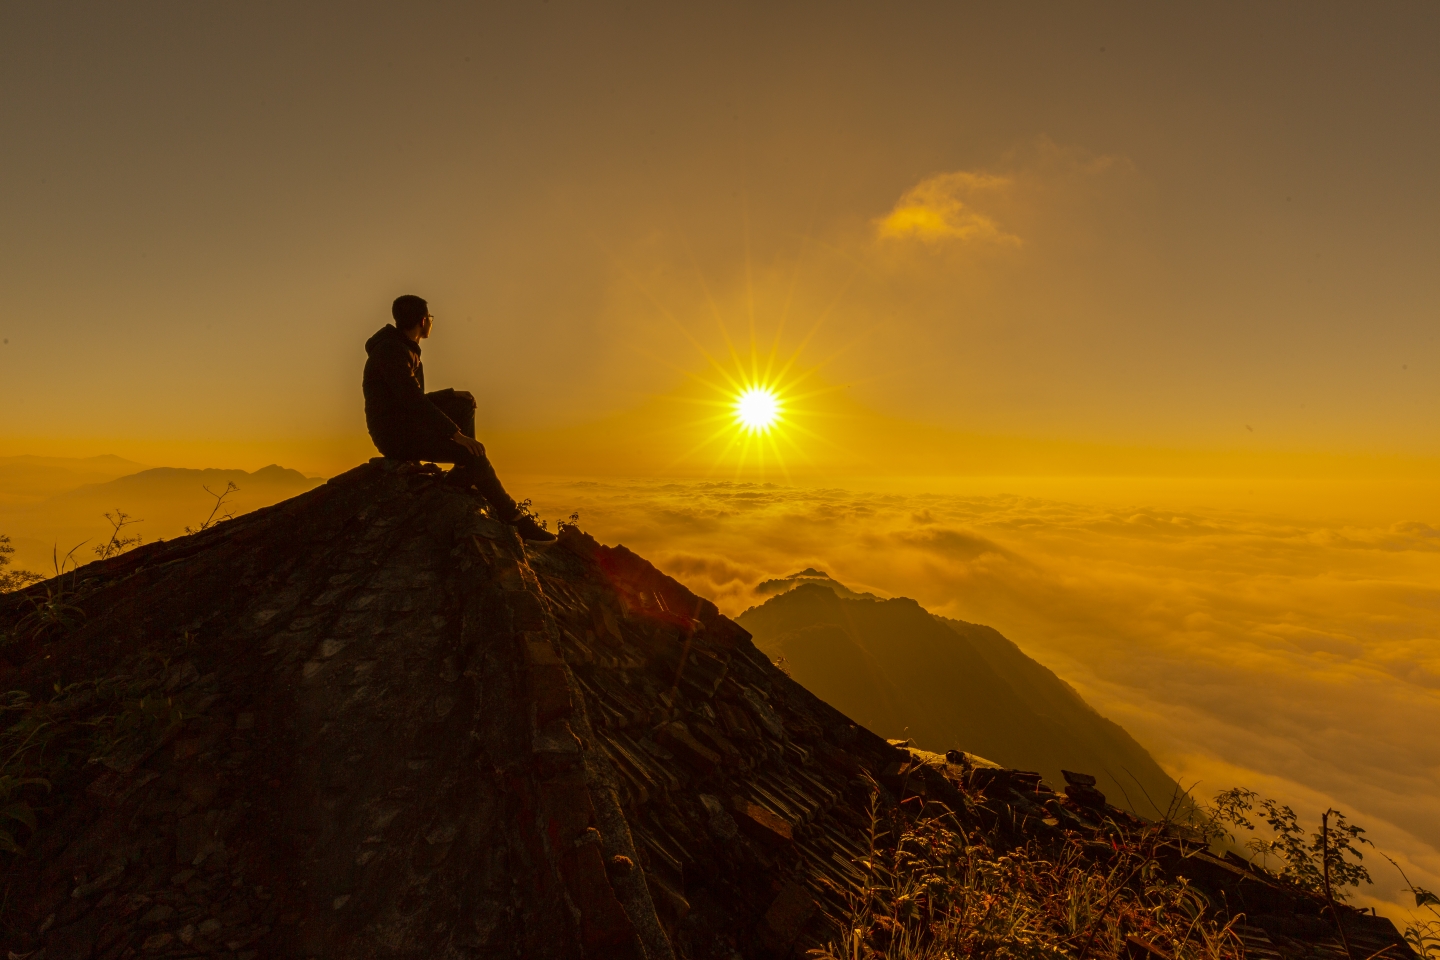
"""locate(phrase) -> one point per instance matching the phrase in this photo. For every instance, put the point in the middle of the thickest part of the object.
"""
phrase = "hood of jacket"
(389, 334)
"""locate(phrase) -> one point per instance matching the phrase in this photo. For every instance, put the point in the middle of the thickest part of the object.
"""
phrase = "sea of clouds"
(1241, 646)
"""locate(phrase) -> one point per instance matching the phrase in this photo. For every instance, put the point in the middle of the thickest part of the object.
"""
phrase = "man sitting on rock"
(407, 423)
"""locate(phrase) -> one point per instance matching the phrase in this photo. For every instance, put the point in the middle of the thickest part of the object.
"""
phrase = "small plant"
(56, 610)
(11, 580)
(1324, 861)
(1422, 934)
(526, 508)
(571, 522)
(1319, 866)
(14, 810)
(118, 542)
(21, 735)
(929, 889)
(215, 515)
(50, 741)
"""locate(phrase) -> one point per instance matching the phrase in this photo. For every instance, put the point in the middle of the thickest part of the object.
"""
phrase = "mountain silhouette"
(164, 501)
(389, 728)
(768, 588)
(371, 722)
(30, 479)
(946, 684)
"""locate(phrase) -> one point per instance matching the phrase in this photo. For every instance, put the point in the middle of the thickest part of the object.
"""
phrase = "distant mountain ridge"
(157, 481)
(162, 500)
(30, 479)
(907, 673)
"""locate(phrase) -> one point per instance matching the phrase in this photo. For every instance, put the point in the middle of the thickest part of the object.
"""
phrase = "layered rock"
(370, 722)
(397, 732)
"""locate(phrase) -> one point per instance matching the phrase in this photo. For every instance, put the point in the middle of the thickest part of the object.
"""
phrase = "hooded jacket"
(397, 414)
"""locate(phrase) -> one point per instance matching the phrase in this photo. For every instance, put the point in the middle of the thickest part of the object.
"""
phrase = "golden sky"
(1210, 227)
(1111, 325)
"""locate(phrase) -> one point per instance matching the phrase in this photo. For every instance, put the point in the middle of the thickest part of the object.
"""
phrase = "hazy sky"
(1206, 226)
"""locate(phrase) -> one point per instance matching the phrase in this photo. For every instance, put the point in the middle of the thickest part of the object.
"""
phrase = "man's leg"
(457, 408)
(479, 472)
(472, 470)
(468, 467)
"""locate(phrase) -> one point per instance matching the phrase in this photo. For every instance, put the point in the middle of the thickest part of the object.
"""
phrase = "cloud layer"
(1294, 656)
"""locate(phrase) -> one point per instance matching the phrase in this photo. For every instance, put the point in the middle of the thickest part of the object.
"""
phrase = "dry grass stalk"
(931, 890)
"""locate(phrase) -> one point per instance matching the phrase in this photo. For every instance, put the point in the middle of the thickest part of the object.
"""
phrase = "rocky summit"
(371, 722)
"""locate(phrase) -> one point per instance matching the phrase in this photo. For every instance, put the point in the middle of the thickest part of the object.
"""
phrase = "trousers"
(469, 468)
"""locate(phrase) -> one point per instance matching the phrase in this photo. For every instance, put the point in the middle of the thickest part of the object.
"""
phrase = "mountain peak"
(809, 575)
(383, 719)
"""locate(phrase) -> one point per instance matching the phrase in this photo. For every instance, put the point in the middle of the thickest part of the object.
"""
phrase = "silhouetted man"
(409, 424)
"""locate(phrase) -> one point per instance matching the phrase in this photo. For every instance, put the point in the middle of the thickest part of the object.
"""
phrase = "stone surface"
(761, 824)
(403, 732)
(786, 919)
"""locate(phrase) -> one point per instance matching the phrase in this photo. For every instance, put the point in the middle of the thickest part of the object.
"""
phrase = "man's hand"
(469, 443)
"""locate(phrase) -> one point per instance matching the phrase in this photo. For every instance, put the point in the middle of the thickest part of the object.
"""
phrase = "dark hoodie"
(398, 415)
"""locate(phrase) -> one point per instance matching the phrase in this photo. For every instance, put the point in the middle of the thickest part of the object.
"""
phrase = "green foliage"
(11, 580)
(14, 810)
(56, 610)
(1331, 852)
(48, 742)
(1424, 937)
(526, 508)
(1421, 933)
(19, 736)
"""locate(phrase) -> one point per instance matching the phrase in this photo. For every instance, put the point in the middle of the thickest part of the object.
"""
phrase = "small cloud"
(938, 208)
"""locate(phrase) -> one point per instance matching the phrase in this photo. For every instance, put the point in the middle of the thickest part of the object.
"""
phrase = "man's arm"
(397, 373)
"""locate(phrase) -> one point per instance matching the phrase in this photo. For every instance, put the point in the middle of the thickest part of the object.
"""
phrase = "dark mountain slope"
(370, 722)
(948, 684)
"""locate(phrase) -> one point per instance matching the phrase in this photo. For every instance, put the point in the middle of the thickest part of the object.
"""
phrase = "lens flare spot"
(757, 409)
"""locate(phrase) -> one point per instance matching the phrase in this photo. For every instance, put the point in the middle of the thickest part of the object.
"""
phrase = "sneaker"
(530, 530)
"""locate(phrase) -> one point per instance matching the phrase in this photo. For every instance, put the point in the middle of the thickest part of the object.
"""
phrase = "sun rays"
(756, 411)
(759, 396)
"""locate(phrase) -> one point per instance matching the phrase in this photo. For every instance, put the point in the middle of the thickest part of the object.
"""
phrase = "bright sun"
(759, 399)
(757, 409)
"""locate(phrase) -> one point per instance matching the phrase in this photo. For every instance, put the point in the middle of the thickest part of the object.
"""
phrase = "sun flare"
(758, 398)
(757, 409)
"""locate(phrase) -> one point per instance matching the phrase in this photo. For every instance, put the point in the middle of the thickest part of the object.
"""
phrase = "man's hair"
(408, 311)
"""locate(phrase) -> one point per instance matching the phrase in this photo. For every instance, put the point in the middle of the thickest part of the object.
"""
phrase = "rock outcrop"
(396, 732)
(370, 722)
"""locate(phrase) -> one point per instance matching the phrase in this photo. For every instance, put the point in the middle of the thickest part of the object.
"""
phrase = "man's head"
(412, 316)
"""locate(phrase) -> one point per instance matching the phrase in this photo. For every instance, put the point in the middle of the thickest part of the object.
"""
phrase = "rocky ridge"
(370, 722)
